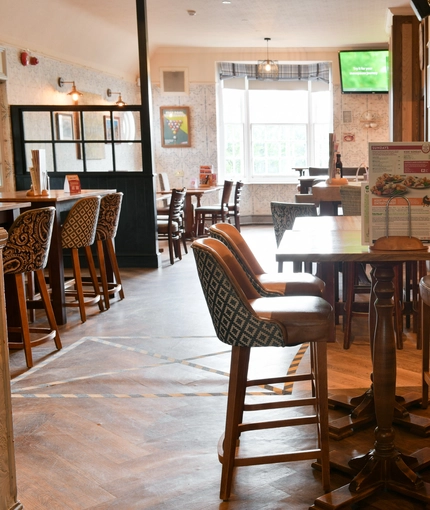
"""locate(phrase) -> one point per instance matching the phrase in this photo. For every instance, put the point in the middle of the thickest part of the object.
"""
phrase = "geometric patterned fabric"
(107, 224)
(284, 214)
(234, 323)
(29, 239)
(255, 283)
(79, 228)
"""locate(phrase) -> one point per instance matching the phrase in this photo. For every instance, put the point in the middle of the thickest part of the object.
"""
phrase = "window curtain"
(287, 72)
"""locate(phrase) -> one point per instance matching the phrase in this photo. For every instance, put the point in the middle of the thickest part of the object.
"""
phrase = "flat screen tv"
(364, 71)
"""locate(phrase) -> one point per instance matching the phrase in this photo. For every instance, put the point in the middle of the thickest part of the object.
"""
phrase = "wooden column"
(8, 492)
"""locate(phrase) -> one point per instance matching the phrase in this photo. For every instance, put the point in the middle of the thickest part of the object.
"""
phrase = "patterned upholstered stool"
(266, 284)
(107, 226)
(26, 251)
(244, 320)
(79, 231)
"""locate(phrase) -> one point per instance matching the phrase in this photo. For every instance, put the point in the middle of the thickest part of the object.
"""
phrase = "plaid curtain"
(287, 72)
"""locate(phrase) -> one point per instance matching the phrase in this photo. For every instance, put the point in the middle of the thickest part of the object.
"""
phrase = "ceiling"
(102, 34)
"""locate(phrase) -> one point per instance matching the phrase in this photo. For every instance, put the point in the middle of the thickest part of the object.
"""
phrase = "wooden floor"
(128, 415)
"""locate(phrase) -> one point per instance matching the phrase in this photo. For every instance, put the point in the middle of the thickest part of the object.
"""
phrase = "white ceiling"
(102, 34)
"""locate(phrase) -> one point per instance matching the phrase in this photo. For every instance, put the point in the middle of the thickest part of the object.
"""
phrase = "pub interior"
(100, 419)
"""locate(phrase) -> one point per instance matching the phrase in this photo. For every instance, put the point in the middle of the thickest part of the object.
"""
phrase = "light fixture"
(267, 69)
(74, 93)
(120, 102)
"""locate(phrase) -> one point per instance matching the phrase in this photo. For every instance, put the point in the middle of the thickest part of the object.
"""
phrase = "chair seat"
(297, 284)
(307, 318)
(209, 209)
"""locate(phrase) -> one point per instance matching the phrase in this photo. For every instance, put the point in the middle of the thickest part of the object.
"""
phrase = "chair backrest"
(227, 291)
(226, 192)
(107, 223)
(238, 194)
(29, 239)
(233, 239)
(79, 228)
(350, 197)
(314, 171)
(177, 205)
(163, 181)
(284, 214)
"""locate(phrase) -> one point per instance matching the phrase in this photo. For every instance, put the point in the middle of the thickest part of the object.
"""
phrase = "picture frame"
(65, 123)
(108, 128)
(175, 126)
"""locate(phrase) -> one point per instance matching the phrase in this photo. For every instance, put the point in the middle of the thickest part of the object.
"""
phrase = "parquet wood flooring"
(128, 415)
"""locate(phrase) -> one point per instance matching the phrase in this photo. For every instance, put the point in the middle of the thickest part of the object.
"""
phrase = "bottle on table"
(339, 166)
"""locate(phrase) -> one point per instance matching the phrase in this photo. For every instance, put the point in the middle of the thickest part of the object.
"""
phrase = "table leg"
(384, 466)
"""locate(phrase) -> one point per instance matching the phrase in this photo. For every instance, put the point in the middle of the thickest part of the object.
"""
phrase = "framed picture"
(175, 126)
(64, 126)
(108, 128)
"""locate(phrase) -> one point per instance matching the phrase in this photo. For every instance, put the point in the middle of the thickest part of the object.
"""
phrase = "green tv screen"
(364, 71)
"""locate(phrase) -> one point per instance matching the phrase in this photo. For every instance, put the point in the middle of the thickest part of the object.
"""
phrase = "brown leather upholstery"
(297, 284)
(244, 319)
(425, 335)
(26, 251)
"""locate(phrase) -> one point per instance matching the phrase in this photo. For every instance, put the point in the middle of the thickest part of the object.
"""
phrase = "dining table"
(383, 466)
(62, 201)
(198, 192)
(327, 196)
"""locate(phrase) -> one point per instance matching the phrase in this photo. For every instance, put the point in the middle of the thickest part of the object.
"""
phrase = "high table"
(188, 209)
(62, 201)
(383, 466)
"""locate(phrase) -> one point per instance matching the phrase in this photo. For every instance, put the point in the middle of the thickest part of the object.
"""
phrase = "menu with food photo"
(399, 174)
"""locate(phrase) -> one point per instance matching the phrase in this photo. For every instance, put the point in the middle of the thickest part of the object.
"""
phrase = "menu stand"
(383, 467)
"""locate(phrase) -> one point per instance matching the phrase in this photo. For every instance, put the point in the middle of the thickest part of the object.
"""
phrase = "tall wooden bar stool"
(26, 251)
(425, 338)
(79, 231)
(218, 212)
(244, 320)
(107, 226)
(266, 284)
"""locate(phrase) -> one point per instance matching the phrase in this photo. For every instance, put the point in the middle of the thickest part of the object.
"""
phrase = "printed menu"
(399, 173)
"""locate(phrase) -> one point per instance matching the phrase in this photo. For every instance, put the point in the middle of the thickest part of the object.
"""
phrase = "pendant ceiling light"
(267, 69)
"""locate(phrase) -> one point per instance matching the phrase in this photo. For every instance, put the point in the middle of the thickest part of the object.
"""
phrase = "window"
(267, 132)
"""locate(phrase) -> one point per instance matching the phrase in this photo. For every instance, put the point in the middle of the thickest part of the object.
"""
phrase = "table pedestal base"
(363, 414)
(396, 472)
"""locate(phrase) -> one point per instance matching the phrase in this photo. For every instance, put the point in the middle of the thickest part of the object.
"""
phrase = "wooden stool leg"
(48, 306)
(235, 403)
(103, 276)
(93, 275)
(25, 328)
(114, 263)
(78, 283)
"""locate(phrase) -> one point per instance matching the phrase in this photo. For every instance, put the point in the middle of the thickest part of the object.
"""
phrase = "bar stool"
(425, 335)
(79, 231)
(26, 251)
(266, 284)
(244, 319)
(107, 226)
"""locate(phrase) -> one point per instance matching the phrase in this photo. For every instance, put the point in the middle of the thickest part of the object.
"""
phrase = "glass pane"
(66, 126)
(47, 147)
(232, 106)
(95, 124)
(278, 106)
(37, 126)
(67, 157)
(128, 157)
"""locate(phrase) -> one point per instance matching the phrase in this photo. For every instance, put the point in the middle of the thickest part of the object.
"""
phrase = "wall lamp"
(120, 102)
(74, 93)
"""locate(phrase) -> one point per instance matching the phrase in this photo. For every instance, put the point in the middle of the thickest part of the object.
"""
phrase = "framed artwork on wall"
(175, 126)
(64, 126)
(108, 128)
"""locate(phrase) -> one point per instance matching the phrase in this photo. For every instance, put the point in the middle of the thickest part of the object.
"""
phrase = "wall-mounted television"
(364, 71)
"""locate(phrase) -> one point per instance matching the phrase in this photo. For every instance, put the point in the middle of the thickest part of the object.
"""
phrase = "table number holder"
(398, 243)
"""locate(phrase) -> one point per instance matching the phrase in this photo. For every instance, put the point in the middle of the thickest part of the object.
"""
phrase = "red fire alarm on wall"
(26, 59)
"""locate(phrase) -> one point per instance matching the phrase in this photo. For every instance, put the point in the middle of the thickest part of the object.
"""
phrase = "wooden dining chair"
(234, 208)
(78, 232)
(218, 212)
(171, 227)
(26, 252)
(424, 287)
(245, 320)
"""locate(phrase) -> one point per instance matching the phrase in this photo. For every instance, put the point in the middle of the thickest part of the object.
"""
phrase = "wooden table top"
(308, 223)
(195, 191)
(55, 195)
(340, 245)
(7, 206)
(324, 192)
